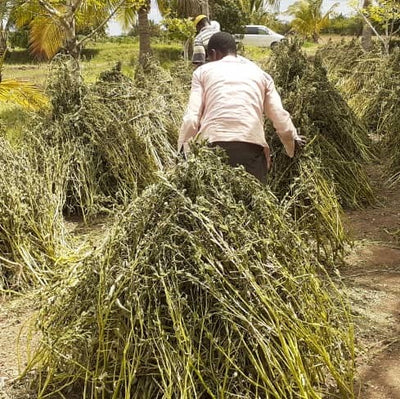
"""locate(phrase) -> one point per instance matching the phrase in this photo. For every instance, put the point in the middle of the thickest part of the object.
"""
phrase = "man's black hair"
(202, 23)
(223, 42)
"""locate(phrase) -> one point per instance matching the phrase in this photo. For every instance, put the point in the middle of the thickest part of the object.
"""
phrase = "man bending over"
(228, 100)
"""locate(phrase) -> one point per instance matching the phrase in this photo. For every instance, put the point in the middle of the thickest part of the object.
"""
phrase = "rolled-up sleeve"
(191, 119)
(279, 117)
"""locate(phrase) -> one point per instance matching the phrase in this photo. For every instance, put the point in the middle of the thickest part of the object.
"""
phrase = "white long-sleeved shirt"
(227, 102)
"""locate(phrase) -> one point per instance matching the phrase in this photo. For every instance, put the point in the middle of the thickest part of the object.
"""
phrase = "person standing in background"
(205, 29)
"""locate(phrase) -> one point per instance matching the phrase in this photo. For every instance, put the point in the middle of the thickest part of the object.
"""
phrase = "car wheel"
(274, 45)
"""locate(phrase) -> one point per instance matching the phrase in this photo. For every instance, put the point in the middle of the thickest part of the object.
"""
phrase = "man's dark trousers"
(251, 156)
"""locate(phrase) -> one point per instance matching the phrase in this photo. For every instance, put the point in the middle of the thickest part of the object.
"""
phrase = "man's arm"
(191, 120)
(280, 118)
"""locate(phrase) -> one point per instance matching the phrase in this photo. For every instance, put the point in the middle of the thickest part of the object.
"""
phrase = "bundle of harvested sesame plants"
(329, 173)
(371, 86)
(203, 289)
(339, 139)
(31, 226)
(118, 132)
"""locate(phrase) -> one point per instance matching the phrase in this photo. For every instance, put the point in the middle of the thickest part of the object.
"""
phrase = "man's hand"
(299, 143)
(267, 154)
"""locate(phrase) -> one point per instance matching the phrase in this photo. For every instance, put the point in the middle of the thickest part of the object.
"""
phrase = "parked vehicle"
(260, 36)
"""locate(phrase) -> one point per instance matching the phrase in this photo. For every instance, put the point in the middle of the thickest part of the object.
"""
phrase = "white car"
(260, 36)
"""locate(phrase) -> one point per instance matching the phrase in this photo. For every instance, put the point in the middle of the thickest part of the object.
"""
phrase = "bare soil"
(372, 277)
(372, 281)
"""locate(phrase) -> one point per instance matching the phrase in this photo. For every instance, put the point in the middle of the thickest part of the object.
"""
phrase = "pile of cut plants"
(31, 224)
(209, 284)
(118, 132)
(330, 171)
(203, 289)
(339, 139)
(370, 83)
(95, 150)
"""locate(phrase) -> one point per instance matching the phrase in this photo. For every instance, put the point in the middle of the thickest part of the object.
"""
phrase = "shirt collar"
(230, 58)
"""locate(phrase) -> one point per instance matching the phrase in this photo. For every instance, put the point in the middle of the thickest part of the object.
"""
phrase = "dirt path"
(15, 316)
(373, 280)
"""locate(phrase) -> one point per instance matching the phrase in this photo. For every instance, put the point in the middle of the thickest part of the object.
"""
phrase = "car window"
(251, 30)
(263, 31)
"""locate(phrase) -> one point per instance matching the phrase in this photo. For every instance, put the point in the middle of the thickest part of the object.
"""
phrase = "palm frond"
(23, 93)
(46, 38)
(26, 12)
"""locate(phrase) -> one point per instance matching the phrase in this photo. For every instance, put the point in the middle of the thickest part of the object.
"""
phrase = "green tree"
(257, 10)
(343, 25)
(229, 14)
(54, 23)
(168, 8)
(384, 14)
(308, 17)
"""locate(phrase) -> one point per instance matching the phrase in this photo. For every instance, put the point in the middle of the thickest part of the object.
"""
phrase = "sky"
(343, 7)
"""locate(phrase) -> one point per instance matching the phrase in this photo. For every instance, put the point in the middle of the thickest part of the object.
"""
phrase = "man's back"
(228, 98)
(233, 97)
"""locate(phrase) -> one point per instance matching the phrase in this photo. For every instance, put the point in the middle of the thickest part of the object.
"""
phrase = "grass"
(96, 57)
(13, 119)
(103, 54)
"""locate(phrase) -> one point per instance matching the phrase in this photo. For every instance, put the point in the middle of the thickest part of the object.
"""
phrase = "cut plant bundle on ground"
(311, 199)
(204, 289)
(31, 226)
(339, 139)
(391, 142)
(371, 86)
(118, 132)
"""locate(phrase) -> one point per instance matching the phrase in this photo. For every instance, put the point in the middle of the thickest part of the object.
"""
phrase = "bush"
(19, 38)
(230, 15)
(345, 26)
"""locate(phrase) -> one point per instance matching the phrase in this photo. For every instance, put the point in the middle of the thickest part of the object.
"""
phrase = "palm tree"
(256, 10)
(144, 31)
(181, 8)
(53, 23)
(186, 8)
(308, 17)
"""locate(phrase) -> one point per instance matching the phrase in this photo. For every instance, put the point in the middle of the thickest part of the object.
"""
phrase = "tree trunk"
(144, 32)
(366, 36)
(188, 49)
(3, 42)
(72, 46)
(205, 9)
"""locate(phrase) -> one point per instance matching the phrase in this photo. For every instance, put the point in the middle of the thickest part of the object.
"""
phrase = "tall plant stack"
(31, 224)
(118, 132)
(371, 85)
(203, 289)
(338, 138)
